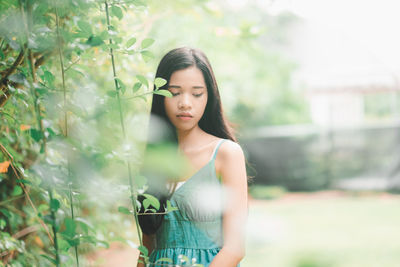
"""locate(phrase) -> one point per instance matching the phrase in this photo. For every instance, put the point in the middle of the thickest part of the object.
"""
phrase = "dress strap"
(216, 149)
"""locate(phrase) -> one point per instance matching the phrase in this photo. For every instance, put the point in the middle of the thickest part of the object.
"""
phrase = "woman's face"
(189, 98)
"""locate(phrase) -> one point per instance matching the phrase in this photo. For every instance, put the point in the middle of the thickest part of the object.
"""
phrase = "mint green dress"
(193, 234)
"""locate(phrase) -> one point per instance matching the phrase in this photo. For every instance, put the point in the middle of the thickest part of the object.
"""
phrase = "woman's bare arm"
(148, 242)
(234, 178)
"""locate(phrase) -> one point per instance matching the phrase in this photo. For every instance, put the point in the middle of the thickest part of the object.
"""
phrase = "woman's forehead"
(191, 77)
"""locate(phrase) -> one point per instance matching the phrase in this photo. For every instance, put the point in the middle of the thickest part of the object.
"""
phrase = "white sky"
(339, 37)
(373, 23)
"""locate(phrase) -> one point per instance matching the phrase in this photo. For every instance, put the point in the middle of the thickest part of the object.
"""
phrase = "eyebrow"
(194, 87)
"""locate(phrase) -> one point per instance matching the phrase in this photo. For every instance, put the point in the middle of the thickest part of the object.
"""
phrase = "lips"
(184, 116)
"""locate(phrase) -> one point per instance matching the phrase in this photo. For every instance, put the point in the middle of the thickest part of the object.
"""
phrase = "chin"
(183, 127)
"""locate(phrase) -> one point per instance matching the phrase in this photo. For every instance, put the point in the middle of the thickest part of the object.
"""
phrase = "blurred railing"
(308, 157)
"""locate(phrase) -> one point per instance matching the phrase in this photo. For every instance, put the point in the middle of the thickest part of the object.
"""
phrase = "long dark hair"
(212, 121)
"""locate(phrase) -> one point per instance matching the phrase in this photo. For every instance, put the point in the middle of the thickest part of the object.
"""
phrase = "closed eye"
(198, 95)
(174, 94)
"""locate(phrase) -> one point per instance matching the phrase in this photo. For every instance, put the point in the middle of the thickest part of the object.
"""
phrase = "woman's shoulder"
(230, 155)
(230, 149)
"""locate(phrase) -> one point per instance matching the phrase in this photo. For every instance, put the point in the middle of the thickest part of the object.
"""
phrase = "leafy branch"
(132, 196)
(63, 70)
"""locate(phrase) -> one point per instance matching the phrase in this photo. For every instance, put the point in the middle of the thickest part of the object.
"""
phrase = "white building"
(344, 57)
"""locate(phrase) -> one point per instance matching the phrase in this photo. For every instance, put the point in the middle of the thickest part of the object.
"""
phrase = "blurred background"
(312, 88)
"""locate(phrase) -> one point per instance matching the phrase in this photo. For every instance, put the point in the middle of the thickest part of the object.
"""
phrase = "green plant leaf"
(6, 213)
(136, 87)
(163, 92)
(16, 191)
(152, 200)
(43, 207)
(147, 55)
(84, 224)
(117, 12)
(124, 210)
(160, 82)
(24, 181)
(70, 227)
(170, 207)
(54, 204)
(75, 72)
(144, 250)
(49, 258)
(142, 79)
(48, 219)
(164, 260)
(130, 42)
(48, 77)
(146, 203)
(94, 41)
(118, 40)
(35, 134)
(42, 91)
(85, 27)
(147, 42)
(113, 46)
(63, 245)
(3, 224)
(51, 132)
(121, 85)
(74, 241)
(112, 93)
(89, 239)
(40, 10)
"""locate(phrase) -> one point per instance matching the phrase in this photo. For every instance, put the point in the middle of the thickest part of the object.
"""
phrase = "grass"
(324, 230)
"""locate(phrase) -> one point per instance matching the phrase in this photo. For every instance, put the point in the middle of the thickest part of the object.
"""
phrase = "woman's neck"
(192, 138)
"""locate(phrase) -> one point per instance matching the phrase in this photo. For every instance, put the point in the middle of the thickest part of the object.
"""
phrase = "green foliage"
(159, 82)
(54, 205)
(142, 80)
(313, 261)
(379, 106)
(163, 92)
(266, 192)
(254, 76)
(130, 42)
(146, 43)
(50, 160)
(151, 201)
(117, 12)
(124, 210)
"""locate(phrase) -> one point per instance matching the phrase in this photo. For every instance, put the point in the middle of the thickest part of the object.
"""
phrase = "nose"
(184, 102)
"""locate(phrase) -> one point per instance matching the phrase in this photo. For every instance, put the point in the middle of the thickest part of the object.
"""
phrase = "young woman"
(208, 227)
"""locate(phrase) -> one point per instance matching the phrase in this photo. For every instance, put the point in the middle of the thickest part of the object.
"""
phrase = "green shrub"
(266, 191)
